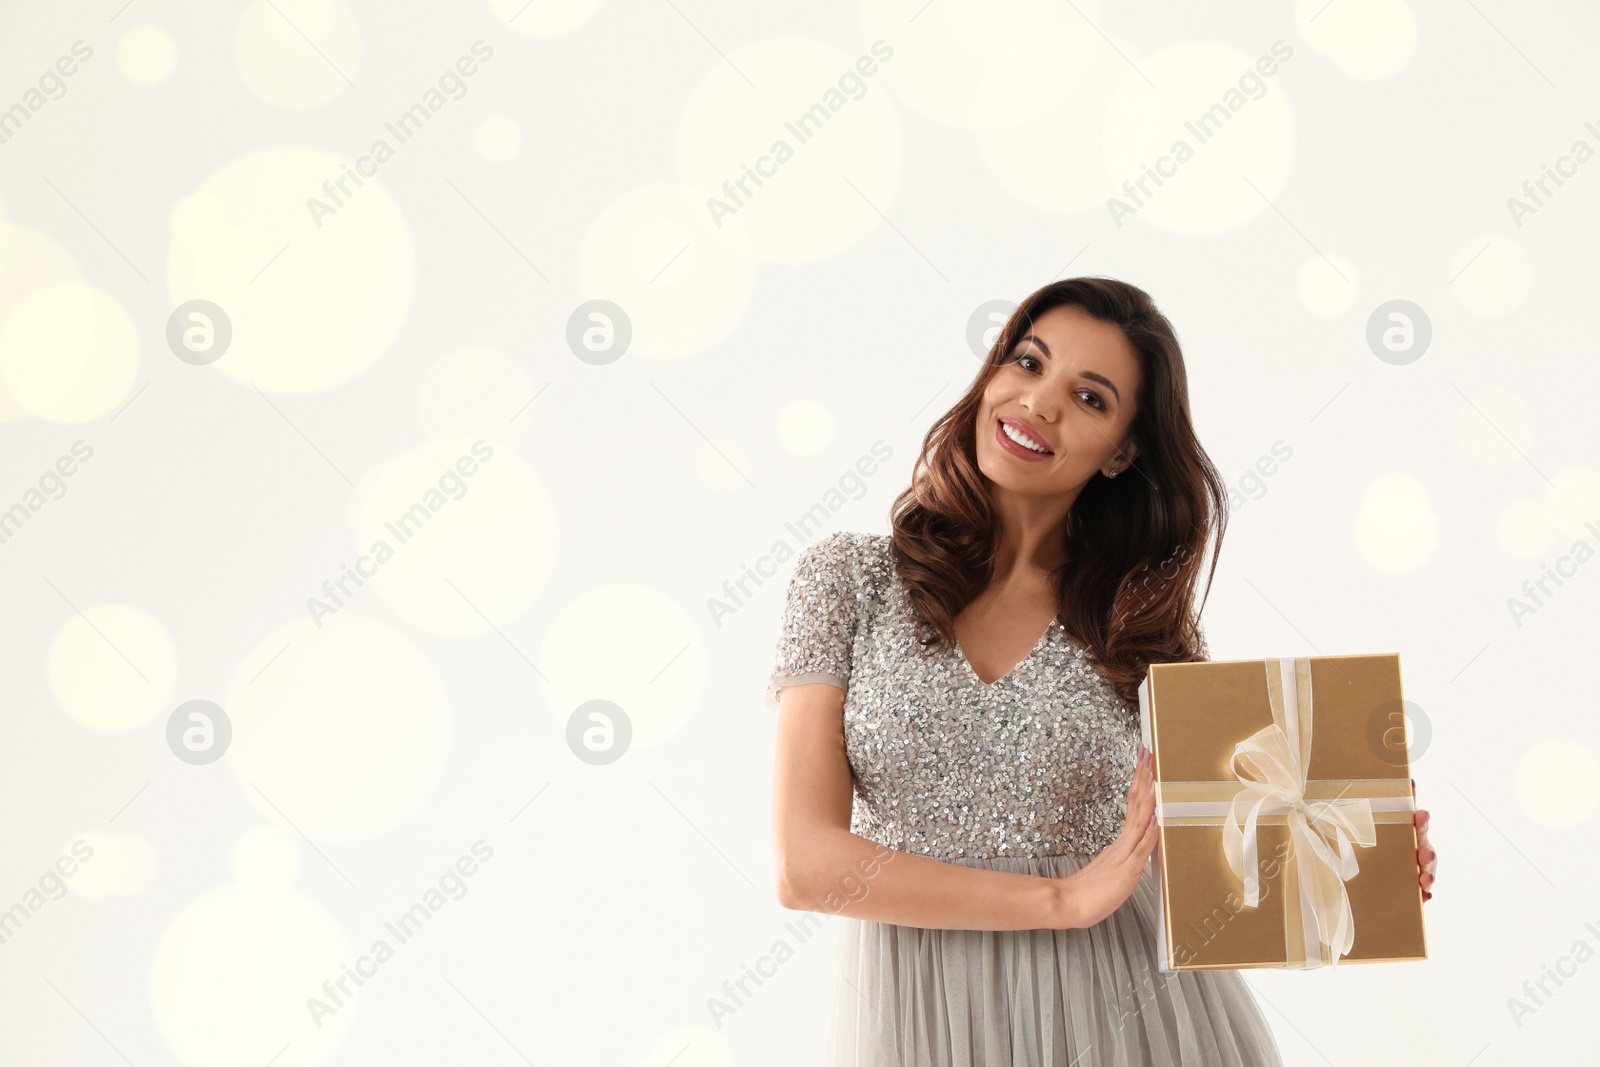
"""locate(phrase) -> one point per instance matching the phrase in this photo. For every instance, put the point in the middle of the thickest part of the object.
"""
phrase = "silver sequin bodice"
(1038, 763)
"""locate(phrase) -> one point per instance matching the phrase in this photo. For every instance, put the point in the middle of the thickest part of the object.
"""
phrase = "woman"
(958, 757)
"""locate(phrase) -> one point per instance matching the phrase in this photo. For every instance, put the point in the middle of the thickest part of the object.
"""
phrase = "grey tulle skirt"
(1092, 997)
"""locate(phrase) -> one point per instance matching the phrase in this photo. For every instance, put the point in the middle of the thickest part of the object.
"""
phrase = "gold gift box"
(1314, 749)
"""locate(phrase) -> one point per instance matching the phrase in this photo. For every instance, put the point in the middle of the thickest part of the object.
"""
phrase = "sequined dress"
(1029, 773)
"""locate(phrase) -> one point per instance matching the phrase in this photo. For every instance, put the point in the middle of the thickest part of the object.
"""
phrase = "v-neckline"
(961, 654)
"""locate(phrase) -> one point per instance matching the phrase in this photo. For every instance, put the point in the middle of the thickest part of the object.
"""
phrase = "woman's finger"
(1147, 839)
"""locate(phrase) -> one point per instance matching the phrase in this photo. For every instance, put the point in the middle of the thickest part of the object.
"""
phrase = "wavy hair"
(1134, 544)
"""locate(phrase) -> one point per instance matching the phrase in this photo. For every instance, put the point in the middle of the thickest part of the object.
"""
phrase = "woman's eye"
(1028, 362)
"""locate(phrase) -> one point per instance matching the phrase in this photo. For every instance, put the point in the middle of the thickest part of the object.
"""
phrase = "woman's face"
(1070, 386)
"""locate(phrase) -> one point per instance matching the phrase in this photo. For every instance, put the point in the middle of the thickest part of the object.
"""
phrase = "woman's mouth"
(1015, 438)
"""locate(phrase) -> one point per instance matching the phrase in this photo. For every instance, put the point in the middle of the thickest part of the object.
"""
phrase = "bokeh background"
(463, 301)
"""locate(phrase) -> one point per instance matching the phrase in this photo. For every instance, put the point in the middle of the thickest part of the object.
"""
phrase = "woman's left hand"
(1427, 858)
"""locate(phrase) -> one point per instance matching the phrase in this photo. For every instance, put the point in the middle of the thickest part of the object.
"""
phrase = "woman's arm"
(822, 866)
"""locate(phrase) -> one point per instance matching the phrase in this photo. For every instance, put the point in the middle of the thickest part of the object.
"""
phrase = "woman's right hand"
(1100, 886)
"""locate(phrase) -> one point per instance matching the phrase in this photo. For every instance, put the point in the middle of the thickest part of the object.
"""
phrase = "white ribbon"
(1271, 766)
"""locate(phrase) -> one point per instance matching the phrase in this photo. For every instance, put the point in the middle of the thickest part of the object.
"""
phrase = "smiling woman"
(1080, 411)
(963, 692)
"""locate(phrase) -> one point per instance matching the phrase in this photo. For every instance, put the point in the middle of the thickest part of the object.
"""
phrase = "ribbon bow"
(1273, 782)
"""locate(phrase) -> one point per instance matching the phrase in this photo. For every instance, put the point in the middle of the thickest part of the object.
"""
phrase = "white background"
(588, 558)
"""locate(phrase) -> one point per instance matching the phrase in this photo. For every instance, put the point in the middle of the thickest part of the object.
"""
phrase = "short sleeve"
(820, 616)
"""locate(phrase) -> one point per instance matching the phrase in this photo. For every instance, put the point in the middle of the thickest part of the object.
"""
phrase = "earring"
(1112, 473)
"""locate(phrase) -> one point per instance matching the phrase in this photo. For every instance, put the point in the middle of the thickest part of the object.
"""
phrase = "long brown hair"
(1134, 544)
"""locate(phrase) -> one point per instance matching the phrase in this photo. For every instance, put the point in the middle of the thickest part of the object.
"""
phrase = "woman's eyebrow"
(1092, 375)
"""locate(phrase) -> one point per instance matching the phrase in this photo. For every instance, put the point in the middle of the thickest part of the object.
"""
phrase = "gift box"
(1284, 808)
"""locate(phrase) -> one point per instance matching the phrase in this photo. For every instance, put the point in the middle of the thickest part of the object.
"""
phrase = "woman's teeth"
(1005, 428)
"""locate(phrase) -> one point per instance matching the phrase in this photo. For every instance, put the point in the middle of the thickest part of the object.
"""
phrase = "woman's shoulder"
(854, 543)
(861, 558)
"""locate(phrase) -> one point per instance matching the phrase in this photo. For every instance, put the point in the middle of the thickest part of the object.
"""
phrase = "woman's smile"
(1016, 438)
